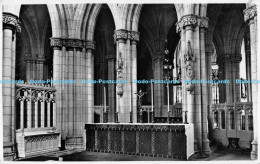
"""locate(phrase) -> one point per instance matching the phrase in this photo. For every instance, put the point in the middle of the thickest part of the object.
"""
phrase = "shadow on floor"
(76, 155)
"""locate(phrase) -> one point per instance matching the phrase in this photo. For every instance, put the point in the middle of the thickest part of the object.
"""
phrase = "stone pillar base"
(254, 151)
(206, 149)
(196, 147)
(9, 153)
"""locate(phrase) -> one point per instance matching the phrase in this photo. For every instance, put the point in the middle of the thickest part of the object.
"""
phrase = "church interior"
(157, 80)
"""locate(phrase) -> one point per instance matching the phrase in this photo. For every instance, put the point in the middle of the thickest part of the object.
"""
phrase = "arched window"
(231, 119)
(216, 119)
(223, 120)
(250, 120)
(241, 120)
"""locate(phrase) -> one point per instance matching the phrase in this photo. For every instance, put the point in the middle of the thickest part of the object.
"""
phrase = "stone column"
(195, 96)
(78, 91)
(111, 58)
(221, 76)
(158, 88)
(71, 87)
(209, 52)
(204, 94)
(90, 46)
(11, 25)
(248, 65)
(134, 37)
(250, 16)
(123, 68)
(27, 60)
(235, 62)
(56, 44)
(227, 74)
(39, 64)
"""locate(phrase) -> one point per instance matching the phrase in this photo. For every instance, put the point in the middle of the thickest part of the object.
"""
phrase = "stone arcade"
(67, 44)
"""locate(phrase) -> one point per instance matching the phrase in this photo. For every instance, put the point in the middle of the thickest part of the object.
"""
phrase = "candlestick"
(105, 101)
(152, 95)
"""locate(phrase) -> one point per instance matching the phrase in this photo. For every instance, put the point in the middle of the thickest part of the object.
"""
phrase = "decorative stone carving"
(192, 20)
(120, 66)
(110, 57)
(78, 44)
(188, 60)
(214, 74)
(209, 48)
(120, 34)
(250, 12)
(72, 43)
(11, 20)
(27, 58)
(56, 42)
(203, 22)
(236, 58)
(134, 35)
(40, 59)
(90, 44)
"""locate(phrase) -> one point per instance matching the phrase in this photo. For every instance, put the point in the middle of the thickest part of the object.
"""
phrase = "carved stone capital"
(192, 20)
(209, 49)
(236, 58)
(90, 45)
(134, 35)
(40, 60)
(110, 57)
(158, 56)
(74, 43)
(56, 42)
(11, 21)
(224, 59)
(78, 43)
(250, 12)
(27, 58)
(120, 34)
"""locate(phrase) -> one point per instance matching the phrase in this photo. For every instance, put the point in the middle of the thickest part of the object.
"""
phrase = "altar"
(154, 140)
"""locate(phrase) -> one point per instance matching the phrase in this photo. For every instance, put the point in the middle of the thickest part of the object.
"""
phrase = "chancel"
(158, 80)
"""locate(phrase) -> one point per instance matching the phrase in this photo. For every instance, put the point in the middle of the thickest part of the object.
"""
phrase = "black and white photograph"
(121, 81)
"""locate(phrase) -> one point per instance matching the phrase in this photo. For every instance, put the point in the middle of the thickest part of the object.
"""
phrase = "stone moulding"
(119, 69)
(250, 12)
(12, 20)
(188, 60)
(124, 34)
(72, 43)
(192, 20)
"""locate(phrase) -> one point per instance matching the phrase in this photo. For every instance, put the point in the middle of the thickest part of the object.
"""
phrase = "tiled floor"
(81, 155)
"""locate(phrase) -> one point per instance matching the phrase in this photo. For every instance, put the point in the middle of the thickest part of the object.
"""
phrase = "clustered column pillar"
(39, 62)
(192, 28)
(209, 52)
(111, 59)
(90, 46)
(235, 64)
(11, 25)
(123, 105)
(126, 67)
(248, 65)
(158, 88)
(57, 66)
(134, 37)
(73, 62)
(250, 16)
(221, 76)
